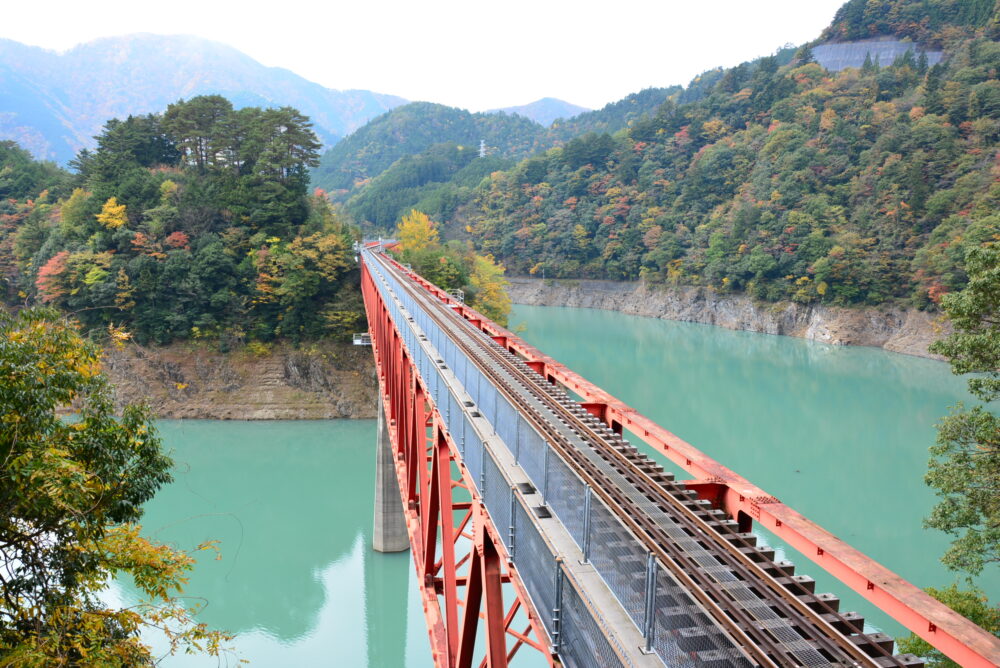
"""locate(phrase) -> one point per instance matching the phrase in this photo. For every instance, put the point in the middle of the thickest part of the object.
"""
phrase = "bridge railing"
(571, 622)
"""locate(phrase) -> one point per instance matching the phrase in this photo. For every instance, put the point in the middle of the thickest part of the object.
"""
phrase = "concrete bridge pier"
(390, 522)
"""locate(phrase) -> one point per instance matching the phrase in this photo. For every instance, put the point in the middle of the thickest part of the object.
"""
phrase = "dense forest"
(784, 181)
(414, 128)
(435, 181)
(193, 223)
(423, 155)
(932, 23)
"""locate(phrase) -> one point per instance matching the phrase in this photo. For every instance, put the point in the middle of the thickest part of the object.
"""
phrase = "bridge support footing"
(390, 523)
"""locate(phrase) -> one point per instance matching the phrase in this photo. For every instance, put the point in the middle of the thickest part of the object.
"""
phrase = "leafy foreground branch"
(71, 494)
(964, 469)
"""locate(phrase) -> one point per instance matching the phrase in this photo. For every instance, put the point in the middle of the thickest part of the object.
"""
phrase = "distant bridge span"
(541, 537)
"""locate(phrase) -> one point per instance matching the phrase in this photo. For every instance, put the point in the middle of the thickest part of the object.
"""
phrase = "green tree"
(490, 287)
(965, 463)
(197, 127)
(971, 604)
(416, 232)
(965, 467)
(71, 494)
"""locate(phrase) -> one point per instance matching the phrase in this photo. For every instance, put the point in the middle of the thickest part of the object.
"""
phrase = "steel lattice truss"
(468, 587)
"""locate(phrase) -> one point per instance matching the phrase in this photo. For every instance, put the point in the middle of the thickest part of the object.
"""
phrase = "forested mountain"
(23, 177)
(931, 23)
(191, 223)
(435, 181)
(54, 104)
(614, 116)
(784, 181)
(545, 110)
(416, 127)
(402, 159)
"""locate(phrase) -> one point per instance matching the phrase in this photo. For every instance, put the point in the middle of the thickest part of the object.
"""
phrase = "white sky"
(468, 54)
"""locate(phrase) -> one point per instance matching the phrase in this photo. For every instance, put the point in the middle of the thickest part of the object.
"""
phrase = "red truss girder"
(461, 562)
(943, 628)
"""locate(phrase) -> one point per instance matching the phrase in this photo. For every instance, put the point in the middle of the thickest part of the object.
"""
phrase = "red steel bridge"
(541, 537)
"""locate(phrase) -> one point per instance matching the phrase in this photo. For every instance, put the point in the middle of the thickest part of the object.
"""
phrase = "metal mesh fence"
(506, 422)
(487, 401)
(566, 495)
(496, 496)
(473, 455)
(535, 564)
(531, 452)
(581, 641)
(616, 555)
(620, 560)
(473, 381)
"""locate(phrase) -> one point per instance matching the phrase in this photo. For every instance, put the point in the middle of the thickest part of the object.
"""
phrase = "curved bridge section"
(540, 535)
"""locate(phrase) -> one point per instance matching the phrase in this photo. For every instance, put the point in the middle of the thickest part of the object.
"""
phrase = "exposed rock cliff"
(895, 329)
(185, 381)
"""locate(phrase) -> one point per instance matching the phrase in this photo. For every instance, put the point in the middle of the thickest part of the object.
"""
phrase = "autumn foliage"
(173, 231)
(453, 266)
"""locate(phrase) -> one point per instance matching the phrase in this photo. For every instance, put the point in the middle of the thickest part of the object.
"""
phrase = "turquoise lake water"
(840, 434)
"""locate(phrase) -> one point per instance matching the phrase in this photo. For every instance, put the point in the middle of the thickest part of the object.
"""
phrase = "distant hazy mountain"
(53, 104)
(546, 110)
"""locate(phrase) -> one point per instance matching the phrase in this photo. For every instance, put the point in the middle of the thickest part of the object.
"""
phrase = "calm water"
(840, 434)
(291, 504)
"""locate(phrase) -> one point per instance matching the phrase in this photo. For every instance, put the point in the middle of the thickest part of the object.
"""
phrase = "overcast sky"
(464, 53)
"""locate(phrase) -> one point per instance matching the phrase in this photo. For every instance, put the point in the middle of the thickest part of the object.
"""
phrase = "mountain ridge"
(54, 102)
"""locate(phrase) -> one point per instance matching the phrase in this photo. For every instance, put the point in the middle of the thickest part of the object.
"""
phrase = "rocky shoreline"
(895, 329)
(319, 381)
(336, 380)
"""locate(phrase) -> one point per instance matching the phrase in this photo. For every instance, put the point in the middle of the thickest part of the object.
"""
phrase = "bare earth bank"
(321, 381)
(335, 380)
(899, 330)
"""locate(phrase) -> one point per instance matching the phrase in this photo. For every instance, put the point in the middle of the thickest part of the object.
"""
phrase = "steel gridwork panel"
(535, 564)
(450, 353)
(496, 496)
(619, 559)
(487, 402)
(566, 494)
(581, 643)
(531, 452)
(473, 456)
(473, 381)
(684, 633)
(419, 358)
(506, 424)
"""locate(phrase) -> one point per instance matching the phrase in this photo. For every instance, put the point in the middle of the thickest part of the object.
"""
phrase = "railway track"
(770, 616)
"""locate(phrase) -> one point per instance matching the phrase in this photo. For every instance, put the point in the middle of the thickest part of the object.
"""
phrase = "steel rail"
(664, 492)
(660, 491)
(684, 563)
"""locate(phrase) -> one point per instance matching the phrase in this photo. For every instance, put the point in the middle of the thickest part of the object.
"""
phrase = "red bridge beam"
(460, 560)
(946, 630)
